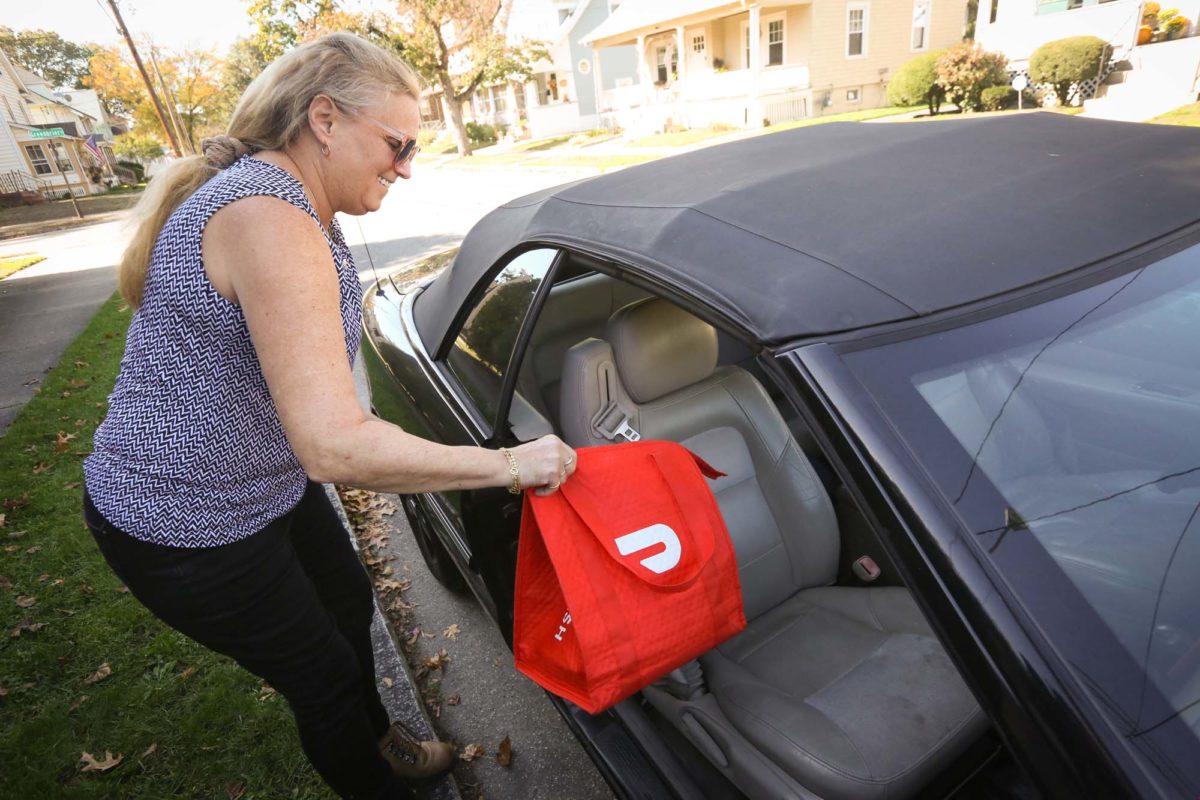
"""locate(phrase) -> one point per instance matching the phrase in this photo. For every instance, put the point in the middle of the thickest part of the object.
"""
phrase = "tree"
(915, 83)
(139, 147)
(202, 102)
(436, 34)
(1066, 63)
(62, 63)
(966, 69)
(116, 81)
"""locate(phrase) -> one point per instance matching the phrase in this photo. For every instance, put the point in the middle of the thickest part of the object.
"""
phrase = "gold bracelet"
(515, 486)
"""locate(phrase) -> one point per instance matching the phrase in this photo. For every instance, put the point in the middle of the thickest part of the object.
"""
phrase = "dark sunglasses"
(405, 148)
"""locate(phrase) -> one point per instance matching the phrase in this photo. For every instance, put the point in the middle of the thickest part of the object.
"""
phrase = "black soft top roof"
(845, 225)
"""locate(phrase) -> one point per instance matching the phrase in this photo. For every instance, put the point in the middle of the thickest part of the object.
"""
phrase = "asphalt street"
(44, 307)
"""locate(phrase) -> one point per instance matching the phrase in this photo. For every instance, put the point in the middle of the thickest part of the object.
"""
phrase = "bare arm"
(270, 257)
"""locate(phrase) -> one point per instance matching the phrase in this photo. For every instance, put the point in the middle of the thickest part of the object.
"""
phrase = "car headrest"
(660, 348)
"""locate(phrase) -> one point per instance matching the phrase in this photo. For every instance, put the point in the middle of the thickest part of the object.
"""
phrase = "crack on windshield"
(1027, 522)
(995, 420)
(1154, 619)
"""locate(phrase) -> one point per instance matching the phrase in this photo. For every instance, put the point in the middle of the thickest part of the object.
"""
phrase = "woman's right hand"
(544, 463)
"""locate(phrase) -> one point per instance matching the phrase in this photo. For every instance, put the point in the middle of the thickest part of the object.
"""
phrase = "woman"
(235, 401)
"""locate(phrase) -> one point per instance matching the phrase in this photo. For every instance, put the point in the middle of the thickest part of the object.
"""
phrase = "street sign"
(47, 133)
(1020, 83)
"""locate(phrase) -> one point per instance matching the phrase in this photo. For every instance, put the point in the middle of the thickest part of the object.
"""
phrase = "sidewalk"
(60, 215)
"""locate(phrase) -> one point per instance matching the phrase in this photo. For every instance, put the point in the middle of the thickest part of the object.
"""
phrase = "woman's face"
(365, 166)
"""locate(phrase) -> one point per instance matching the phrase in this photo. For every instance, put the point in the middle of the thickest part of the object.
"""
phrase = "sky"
(212, 24)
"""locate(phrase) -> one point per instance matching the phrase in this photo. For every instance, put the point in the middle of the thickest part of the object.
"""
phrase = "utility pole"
(172, 103)
(158, 108)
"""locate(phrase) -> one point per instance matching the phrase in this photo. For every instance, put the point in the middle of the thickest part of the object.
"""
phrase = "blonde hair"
(271, 115)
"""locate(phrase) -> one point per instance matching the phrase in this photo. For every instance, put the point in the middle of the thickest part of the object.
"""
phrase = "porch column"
(597, 84)
(643, 71)
(680, 53)
(753, 104)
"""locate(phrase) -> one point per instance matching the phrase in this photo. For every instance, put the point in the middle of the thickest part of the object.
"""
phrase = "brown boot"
(411, 758)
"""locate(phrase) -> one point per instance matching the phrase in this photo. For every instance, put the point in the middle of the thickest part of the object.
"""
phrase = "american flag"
(90, 144)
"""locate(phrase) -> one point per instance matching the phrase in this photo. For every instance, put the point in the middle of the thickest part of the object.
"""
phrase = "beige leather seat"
(839, 691)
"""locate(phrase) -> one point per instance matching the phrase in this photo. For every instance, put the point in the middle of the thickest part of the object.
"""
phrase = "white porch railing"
(556, 119)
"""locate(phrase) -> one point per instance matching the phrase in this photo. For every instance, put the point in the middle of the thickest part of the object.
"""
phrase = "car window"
(481, 351)
(1066, 437)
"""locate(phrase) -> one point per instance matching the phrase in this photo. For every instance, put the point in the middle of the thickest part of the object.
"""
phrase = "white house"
(746, 62)
(42, 149)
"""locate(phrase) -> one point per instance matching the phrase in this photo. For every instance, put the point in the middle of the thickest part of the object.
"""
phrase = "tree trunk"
(455, 110)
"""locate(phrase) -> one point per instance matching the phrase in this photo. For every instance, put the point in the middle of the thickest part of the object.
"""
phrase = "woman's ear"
(321, 115)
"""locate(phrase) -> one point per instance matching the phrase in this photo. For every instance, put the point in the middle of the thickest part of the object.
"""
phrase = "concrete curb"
(402, 700)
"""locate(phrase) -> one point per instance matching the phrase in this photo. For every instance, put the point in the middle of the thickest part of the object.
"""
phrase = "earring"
(325, 150)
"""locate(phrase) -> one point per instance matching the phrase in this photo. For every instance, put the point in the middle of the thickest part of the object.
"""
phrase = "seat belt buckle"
(865, 569)
(623, 428)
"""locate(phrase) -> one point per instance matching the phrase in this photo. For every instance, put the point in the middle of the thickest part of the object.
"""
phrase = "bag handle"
(700, 526)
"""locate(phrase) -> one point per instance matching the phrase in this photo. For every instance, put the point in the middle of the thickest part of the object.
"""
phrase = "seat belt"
(611, 420)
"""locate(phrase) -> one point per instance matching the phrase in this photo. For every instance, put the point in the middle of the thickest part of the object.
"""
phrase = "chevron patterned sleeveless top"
(192, 452)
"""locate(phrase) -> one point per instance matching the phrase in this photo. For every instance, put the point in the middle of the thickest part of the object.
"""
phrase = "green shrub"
(480, 135)
(136, 168)
(915, 83)
(998, 98)
(1066, 63)
(965, 70)
(426, 137)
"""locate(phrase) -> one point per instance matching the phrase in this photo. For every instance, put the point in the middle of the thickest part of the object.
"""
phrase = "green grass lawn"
(185, 722)
(11, 264)
(1185, 115)
(681, 138)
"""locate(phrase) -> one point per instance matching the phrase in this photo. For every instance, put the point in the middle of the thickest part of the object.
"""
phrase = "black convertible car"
(952, 372)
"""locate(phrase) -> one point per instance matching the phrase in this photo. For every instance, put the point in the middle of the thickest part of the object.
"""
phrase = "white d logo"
(649, 537)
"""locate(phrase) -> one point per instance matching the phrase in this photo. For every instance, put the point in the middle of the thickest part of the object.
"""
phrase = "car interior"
(837, 688)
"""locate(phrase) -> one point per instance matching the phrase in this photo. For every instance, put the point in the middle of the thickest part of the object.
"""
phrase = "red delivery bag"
(623, 574)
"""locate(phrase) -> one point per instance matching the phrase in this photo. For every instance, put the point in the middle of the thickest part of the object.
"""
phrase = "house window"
(37, 157)
(746, 45)
(500, 99)
(775, 42)
(660, 60)
(856, 30)
(920, 25)
(698, 43)
(853, 95)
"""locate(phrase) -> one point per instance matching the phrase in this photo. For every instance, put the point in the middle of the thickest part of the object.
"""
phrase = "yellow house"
(750, 62)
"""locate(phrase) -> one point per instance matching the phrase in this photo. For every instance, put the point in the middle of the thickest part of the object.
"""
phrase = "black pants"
(293, 605)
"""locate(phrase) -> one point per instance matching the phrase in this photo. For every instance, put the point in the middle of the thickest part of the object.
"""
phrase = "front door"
(696, 47)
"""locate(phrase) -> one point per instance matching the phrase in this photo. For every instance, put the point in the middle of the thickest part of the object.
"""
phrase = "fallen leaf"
(2, 518)
(62, 442)
(91, 764)
(391, 585)
(81, 364)
(413, 635)
(434, 662)
(234, 791)
(451, 632)
(75, 706)
(187, 673)
(434, 708)
(26, 600)
(12, 548)
(453, 700)
(79, 423)
(86, 588)
(26, 626)
(35, 549)
(386, 570)
(78, 383)
(45, 576)
(149, 751)
(57, 582)
(266, 692)
(122, 590)
(16, 534)
(42, 467)
(471, 752)
(68, 611)
(14, 503)
(387, 682)
(5, 584)
(71, 485)
(102, 672)
(504, 756)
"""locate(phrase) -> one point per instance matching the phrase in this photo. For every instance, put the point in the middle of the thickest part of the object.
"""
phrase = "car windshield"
(1066, 437)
